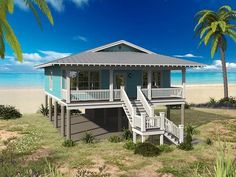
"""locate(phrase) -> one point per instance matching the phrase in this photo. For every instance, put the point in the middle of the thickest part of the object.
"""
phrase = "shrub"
(165, 148)
(88, 138)
(129, 145)
(9, 112)
(209, 141)
(68, 143)
(147, 150)
(187, 144)
(178, 106)
(86, 173)
(115, 139)
(44, 110)
(127, 135)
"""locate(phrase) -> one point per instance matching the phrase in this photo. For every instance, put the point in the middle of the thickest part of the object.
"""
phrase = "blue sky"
(163, 26)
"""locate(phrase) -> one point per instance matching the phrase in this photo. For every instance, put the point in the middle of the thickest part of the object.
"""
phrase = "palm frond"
(207, 37)
(43, 6)
(2, 45)
(214, 46)
(204, 30)
(225, 7)
(11, 39)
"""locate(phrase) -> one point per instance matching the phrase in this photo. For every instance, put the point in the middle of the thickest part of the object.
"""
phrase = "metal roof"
(121, 59)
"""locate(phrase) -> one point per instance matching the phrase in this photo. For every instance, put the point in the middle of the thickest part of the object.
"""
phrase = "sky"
(163, 26)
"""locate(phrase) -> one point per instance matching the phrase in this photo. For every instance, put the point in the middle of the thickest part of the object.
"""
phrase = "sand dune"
(28, 100)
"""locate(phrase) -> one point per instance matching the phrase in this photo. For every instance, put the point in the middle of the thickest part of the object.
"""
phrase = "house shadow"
(100, 123)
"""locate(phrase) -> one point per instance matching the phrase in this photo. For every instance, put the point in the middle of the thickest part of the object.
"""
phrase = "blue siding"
(121, 48)
(165, 79)
(56, 90)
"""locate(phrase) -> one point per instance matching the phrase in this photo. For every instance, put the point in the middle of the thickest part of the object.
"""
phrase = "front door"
(120, 80)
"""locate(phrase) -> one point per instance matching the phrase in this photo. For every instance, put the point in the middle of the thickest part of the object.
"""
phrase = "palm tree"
(217, 27)
(6, 32)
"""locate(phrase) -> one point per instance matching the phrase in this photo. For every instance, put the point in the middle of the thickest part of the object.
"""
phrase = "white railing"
(127, 102)
(167, 92)
(116, 94)
(90, 95)
(140, 96)
(145, 92)
(170, 127)
(153, 122)
(64, 94)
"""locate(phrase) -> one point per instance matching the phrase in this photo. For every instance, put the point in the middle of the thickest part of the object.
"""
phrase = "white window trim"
(51, 81)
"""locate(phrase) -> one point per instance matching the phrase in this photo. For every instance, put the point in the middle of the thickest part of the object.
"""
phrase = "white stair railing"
(170, 127)
(125, 99)
(140, 96)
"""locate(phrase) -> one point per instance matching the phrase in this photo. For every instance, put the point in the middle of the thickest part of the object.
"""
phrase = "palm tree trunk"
(222, 53)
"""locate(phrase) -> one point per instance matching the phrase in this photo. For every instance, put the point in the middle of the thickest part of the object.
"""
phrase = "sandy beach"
(28, 100)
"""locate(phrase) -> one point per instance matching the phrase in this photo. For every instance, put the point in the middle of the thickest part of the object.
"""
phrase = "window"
(50, 81)
(156, 79)
(94, 80)
(63, 79)
(145, 79)
(83, 80)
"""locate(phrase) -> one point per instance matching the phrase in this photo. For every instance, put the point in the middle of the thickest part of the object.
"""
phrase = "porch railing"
(90, 95)
(148, 108)
(173, 92)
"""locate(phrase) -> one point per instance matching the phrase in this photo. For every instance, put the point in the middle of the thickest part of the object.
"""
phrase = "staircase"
(144, 122)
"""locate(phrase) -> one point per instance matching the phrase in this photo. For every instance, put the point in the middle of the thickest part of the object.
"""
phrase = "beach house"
(123, 77)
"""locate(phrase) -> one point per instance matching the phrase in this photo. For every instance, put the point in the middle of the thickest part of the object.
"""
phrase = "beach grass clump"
(129, 145)
(165, 148)
(88, 138)
(127, 134)
(44, 110)
(147, 150)
(9, 112)
(68, 143)
(115, 139)
(228, 102)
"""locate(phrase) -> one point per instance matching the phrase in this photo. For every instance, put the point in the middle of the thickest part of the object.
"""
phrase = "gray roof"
(121, 59)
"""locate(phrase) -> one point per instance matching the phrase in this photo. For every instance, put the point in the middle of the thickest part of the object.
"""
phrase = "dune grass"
(41, 140)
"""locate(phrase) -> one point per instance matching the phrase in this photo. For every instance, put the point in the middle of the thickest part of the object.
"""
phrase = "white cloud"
(32, 59)
(81, 38)
(58, 5)
(217, 66)
(80, 3)
(188, 55)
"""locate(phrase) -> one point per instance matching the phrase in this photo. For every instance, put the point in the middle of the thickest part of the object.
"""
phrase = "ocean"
(16, 80)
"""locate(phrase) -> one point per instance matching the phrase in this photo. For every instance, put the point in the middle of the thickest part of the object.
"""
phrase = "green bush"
(44, 110)
(165, 148)
(147, 150)
(127, 134)
(9, 112)
(115, 139)
(187, 144)
(68, 143)
(88, 138)
(209, 141)
(129, 145)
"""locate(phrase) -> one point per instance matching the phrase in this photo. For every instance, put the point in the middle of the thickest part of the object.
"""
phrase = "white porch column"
(182, 113)
(68, 124)
(143, 138)
(50, 109)
(149, 87)
(143, 122)
(63, 120)
(68, 87)
(162, 116)
(134, 137)
(183, 80)
(161, 139)
(181, 133)
(55, 115)
(111, 85)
